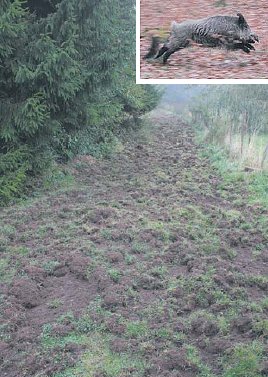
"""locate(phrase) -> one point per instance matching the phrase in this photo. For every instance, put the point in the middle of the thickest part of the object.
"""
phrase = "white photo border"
(181, 81)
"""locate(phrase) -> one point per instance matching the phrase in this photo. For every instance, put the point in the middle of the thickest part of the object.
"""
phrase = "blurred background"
(231, 118)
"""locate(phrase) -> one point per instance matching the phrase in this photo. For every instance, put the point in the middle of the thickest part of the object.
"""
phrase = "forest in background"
(230, 123)
(67, 85)
(231, 117)
(234, 117)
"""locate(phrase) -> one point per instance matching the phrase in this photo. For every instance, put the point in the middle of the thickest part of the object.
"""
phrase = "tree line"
(234, 116)
(67, 83)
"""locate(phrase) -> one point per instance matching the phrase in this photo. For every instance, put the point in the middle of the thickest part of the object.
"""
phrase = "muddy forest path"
(148, 265)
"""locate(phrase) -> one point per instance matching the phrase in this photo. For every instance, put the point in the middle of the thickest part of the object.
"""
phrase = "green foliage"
(67, 82)
(14, 166)
(228, 103)
(258, 187)
(235, 117)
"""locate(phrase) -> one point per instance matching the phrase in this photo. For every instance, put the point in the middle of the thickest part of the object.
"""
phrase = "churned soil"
(200, 62)
(148, 249)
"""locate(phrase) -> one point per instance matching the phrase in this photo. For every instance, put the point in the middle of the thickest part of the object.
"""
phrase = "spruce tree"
(66, 68)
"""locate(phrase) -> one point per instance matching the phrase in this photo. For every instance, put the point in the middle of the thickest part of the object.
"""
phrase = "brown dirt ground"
(151, 236)
(200, 62)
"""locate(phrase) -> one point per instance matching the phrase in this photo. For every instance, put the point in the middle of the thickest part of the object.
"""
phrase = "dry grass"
(252, 153)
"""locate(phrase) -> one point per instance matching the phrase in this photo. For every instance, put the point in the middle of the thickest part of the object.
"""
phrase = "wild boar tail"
(155, 43)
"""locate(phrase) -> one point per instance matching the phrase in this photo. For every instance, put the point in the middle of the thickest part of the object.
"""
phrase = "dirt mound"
(26, 293)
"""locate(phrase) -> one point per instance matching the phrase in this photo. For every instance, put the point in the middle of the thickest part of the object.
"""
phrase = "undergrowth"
(255, 182)
(14, 166)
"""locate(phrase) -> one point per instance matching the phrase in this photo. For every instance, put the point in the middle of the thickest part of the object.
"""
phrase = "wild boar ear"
(241, 19)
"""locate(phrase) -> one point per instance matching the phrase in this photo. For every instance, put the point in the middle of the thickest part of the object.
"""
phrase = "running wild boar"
(230, 32)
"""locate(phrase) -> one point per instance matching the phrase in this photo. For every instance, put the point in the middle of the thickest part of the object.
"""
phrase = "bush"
(67, 83)
(14, 167)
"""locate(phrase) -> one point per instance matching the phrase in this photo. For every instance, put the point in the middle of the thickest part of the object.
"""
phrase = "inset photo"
(211, 39)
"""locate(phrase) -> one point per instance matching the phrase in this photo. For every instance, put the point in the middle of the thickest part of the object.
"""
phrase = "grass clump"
(49, 341)
(260, 327)
(50, 266)
(256, 183)
(54, 304)
(199, 228)
(244, 361)
(115, 275)
(99, 359)
(160, 230)
(7, 272)
(139, 248)
(204, 288)
(194, 357)
(136, 329)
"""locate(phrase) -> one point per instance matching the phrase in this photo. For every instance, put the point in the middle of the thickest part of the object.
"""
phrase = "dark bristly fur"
(154, 48)
(232, 33)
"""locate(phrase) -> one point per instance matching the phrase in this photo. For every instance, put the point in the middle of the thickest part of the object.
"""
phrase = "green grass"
(49, 341)
(220, 3)
(244, 361)
(204, 288)
(7, 231)
(7, 271)
(199, 228)
(162, 230)
(256, 183)
(259, 280)
(130, 259)
(159, 271)
(194, 357)
(99, 358)
(260, 327)
(5, 332)
(233, 216)
(57, 178)
(20, 250)
(264, 303)
(115, 275)
(54, 303)
(137, 329)
(50, 266)
(139, 248)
